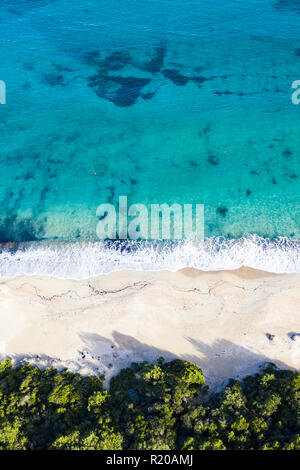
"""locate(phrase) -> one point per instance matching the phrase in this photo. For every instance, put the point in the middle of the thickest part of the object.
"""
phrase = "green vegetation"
(148, 406)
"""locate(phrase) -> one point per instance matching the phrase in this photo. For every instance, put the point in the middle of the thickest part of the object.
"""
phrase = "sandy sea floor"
(227, 322)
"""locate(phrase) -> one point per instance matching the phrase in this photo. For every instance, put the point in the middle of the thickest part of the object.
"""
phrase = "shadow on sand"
(220, 361)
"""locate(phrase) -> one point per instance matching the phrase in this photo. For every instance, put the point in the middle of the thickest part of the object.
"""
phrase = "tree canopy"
(162, 406)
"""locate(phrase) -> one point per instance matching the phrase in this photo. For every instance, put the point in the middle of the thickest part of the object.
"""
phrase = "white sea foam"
(84, 260)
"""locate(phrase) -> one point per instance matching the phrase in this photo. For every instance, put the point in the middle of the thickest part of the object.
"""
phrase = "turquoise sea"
(160, 100)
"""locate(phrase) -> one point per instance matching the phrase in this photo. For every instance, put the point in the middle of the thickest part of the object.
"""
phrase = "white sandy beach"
(218, 320)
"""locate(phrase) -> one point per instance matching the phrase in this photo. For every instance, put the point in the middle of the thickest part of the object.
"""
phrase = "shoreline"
(85, 260)
(227, 322)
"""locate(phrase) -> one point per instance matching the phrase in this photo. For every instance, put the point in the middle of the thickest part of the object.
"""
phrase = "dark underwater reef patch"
(62, 68)
(213, 160)
(114, 61)
(148, 96)
(122, 91)
(176, 77)
(18, 6)
(16, 230)
(54, 79)
(287, 154)
(200, 79)
(222, 210)
(91, 57)
(226, 92)
(156, 63)
(206, 130)
(288, 5)
(28, 66)
(117, 60)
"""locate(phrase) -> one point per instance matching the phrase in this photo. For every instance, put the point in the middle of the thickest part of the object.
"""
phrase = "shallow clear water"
(159, 100)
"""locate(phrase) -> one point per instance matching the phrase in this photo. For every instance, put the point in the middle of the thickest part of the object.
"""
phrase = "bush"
(159, 406)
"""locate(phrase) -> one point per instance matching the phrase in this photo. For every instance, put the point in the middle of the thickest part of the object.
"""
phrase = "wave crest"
(77, 260)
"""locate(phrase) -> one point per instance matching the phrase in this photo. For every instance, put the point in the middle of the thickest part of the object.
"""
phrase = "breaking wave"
(84, 260)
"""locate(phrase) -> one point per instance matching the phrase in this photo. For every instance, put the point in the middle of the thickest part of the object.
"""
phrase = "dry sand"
(218, 320)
